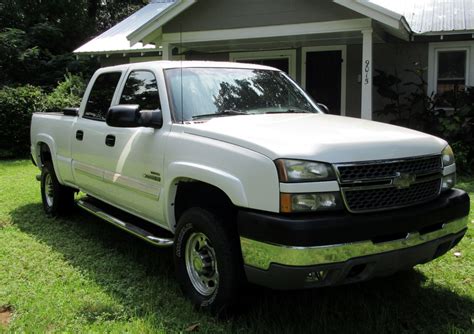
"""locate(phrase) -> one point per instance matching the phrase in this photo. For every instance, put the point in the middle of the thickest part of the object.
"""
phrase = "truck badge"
(403, 180)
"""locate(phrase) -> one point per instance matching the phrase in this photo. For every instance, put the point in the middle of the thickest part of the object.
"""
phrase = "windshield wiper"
(289, 111)
(222, 114)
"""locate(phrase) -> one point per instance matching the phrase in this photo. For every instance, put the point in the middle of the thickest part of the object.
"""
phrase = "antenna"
(181, 63)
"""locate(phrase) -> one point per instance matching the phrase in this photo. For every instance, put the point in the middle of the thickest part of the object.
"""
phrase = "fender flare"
(226, 182)
(43, 138)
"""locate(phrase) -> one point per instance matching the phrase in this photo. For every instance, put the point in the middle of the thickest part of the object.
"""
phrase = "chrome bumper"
(260, 254)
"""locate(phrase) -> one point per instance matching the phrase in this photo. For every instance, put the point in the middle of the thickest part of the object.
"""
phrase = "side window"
(101, 96)
(141, 88)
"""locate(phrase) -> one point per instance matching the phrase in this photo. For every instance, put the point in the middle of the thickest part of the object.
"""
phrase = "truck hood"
(318, 137)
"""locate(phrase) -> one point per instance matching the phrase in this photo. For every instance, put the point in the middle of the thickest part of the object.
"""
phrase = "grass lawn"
(82, 275)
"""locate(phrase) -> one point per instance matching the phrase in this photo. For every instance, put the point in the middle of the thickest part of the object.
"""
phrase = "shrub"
(68, 93)
(456, 124)
(449, 116)
(16, 107)
(18, 104)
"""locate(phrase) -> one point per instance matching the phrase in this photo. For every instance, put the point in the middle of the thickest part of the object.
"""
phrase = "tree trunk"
(92, 8)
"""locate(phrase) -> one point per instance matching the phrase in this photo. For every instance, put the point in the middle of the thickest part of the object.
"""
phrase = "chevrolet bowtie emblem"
(403, 180)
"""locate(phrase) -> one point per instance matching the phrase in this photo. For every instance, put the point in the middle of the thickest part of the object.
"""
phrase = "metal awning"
(115, 39)
(434, 17)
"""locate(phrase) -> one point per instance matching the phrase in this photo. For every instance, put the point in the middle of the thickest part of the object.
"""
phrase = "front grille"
(388, 169)
(386, 198)
(383, 185)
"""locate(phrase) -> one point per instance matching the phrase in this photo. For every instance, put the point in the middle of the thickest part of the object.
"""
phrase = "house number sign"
(367, 70)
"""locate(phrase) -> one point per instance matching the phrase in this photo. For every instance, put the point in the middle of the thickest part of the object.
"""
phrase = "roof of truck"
(164, 64)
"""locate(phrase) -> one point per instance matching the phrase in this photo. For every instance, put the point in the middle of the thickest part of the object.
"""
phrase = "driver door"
(134, 156)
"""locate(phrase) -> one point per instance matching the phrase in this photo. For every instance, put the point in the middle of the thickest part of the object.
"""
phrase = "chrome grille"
(386, 169)
(389, 184)
(386, 198)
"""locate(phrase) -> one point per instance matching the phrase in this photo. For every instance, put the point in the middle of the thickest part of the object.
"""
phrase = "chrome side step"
(135, 230)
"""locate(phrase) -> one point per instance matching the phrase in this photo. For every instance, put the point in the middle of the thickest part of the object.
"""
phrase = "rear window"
(100, 97)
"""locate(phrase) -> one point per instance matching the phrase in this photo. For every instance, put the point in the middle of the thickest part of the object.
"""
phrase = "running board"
(135, 230)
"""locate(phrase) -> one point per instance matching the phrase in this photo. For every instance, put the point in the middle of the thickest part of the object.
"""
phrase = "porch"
(333, 61)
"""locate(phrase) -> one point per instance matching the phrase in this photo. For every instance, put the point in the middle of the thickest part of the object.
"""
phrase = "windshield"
(214, 92)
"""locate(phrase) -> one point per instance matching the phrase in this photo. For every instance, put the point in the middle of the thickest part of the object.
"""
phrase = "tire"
(57, 199)
(208, 260)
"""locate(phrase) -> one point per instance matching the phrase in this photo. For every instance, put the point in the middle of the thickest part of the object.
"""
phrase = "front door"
(134, 160)
(323, 77)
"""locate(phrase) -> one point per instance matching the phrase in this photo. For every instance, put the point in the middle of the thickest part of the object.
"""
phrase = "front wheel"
(57, 199)
(208, 260)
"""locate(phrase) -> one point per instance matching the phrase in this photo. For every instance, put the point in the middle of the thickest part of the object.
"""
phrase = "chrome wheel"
(48, 189)
(201, 264)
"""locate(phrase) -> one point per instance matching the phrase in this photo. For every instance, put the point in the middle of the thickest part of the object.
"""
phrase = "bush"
(18, 104)
(449, 116)
(68, 93)
(16, 107)
(456, 124)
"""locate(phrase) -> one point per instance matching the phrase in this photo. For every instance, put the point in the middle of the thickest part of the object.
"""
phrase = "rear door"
(88, 149)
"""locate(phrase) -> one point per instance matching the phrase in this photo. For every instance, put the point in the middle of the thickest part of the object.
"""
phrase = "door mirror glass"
(151, 119)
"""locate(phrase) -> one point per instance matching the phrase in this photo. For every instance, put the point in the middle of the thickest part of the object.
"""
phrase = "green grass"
(82, 275)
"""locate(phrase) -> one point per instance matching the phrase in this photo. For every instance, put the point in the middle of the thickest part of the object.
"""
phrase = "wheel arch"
(200, 180)
(45, 150)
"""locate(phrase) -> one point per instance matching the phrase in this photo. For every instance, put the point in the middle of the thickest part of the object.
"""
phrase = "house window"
(284, 60)
(451, 70)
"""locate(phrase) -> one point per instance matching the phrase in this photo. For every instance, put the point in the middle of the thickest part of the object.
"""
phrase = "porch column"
(366, 97)
(166, 51)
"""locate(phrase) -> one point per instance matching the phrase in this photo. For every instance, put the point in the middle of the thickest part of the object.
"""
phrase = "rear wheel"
(57, 199)
(208, 260)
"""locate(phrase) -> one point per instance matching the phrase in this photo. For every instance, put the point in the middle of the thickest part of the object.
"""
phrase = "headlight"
(310, 202)
(304, 171)
(447, 156)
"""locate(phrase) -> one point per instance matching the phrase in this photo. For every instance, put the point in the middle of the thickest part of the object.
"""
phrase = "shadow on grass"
(141, 277)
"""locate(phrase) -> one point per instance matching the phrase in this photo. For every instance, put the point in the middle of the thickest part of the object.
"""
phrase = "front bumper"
(432, 230)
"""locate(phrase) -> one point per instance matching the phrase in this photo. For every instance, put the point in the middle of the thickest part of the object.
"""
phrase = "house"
(330, 47)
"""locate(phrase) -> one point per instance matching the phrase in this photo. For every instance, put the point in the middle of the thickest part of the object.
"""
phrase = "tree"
(38, 36)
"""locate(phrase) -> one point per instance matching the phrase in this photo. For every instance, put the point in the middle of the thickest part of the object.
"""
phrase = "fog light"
(309, 202)
(448, 182)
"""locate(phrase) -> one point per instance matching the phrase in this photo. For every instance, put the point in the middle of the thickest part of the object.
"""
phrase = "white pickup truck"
(244, 175)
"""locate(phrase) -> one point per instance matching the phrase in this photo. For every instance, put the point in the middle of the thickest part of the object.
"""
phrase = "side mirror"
(323, 107)
(130, 116)
(123, 116)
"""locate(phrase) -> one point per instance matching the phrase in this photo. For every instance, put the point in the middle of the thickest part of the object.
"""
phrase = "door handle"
(110, 140)
(79, 135)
